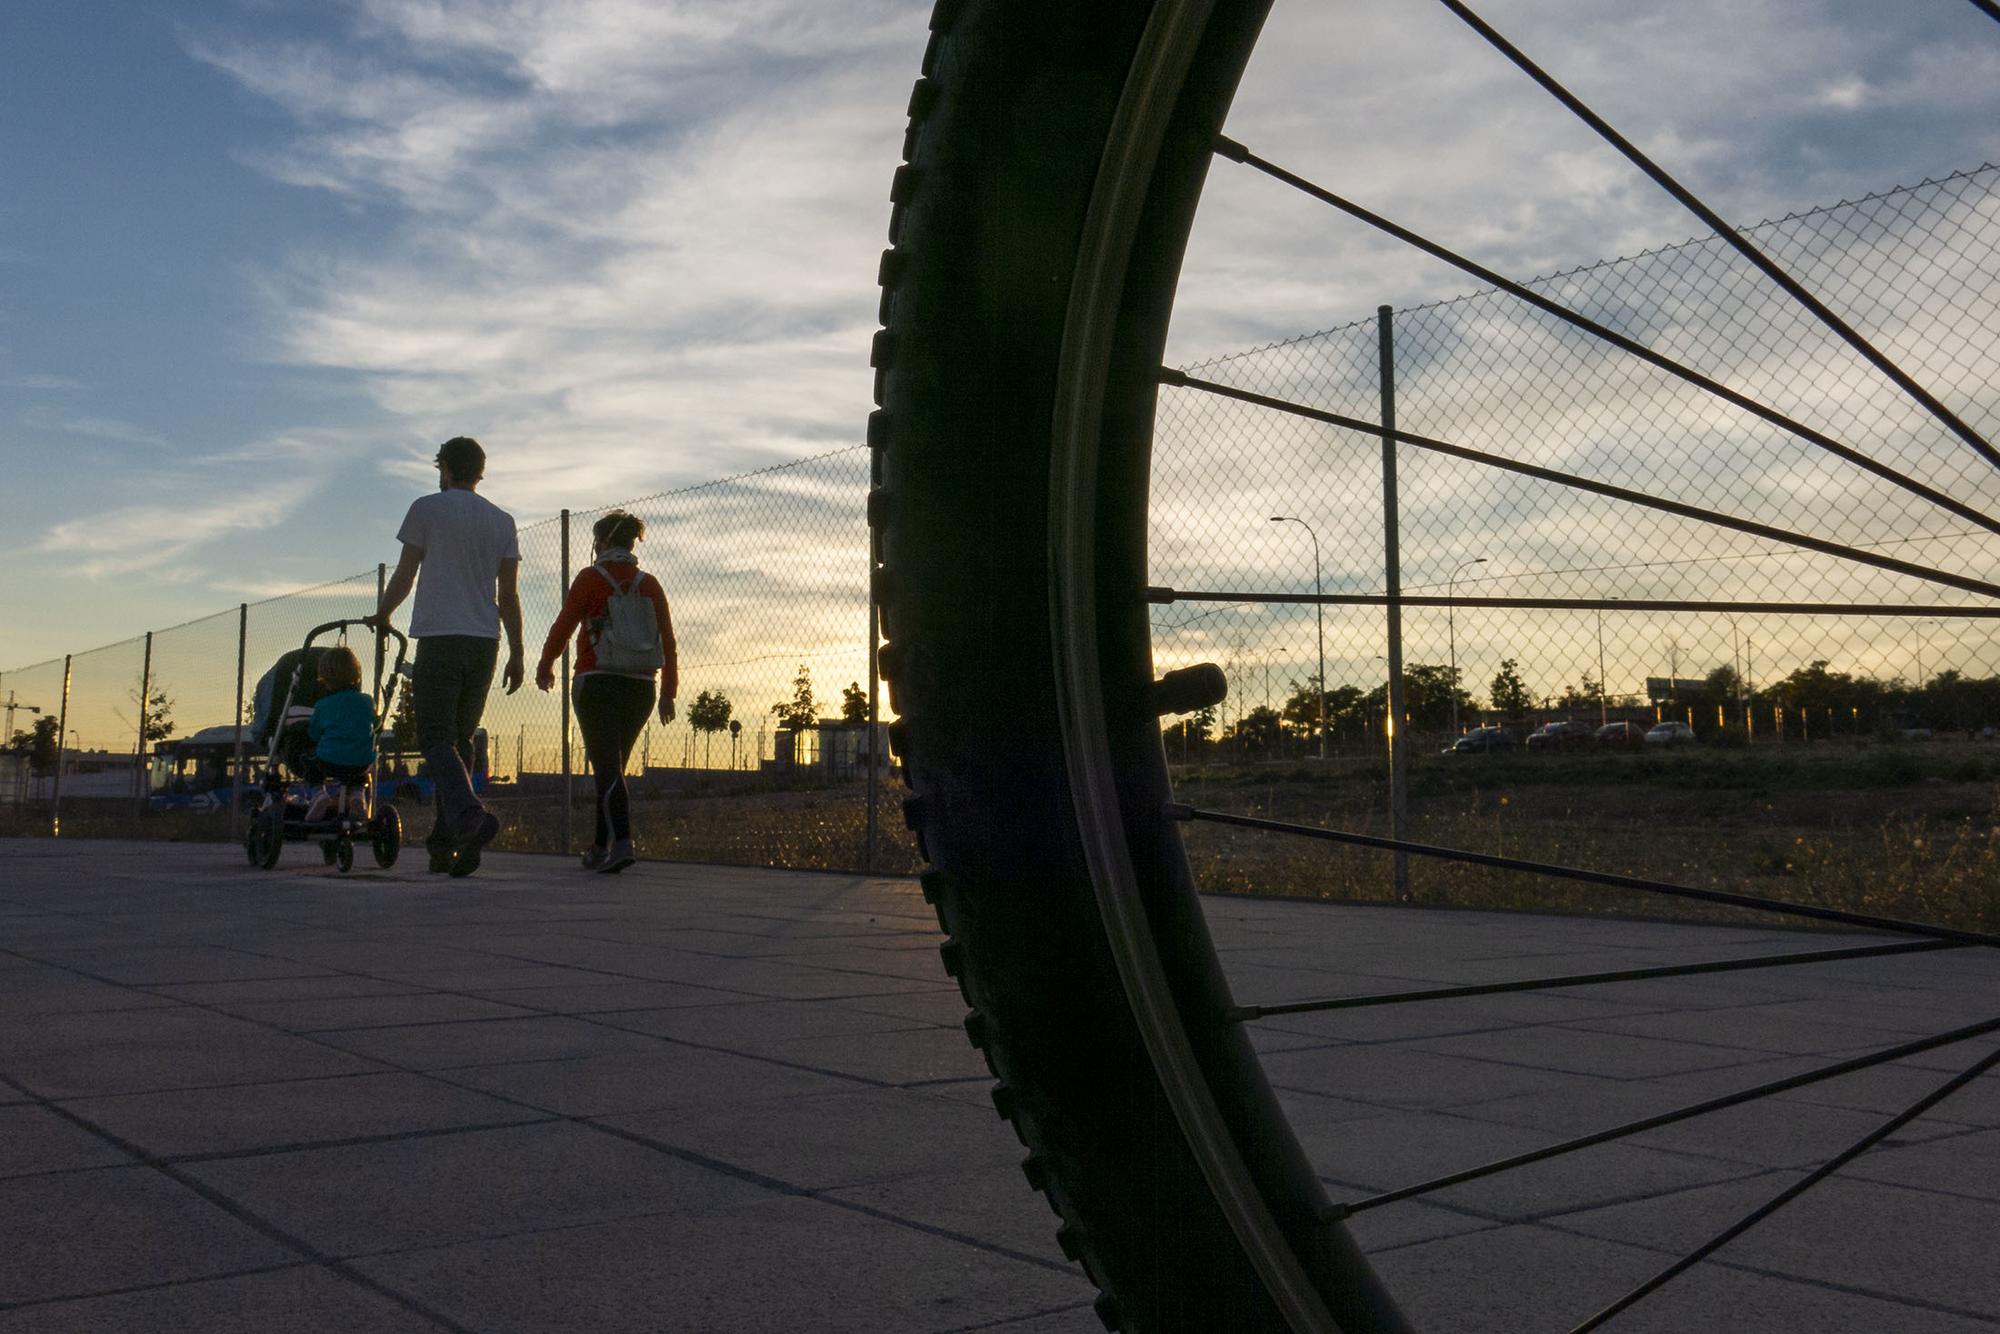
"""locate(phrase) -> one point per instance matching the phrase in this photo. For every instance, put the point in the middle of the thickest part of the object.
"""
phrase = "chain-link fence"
(1525, 599)
(1532, 600)
(767, 577)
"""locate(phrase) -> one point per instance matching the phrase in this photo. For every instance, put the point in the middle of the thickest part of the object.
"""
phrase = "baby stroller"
(285, 699)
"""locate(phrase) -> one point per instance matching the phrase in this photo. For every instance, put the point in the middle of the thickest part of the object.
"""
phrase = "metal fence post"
(62, 742)
(236, 760)
(568, 799)
(868, 851)
(139, 754)
(1392, 573)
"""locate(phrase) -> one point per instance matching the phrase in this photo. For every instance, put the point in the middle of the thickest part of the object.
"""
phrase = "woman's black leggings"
(611, 710)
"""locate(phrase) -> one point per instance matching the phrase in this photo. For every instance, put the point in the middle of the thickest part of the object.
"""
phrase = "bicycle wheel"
(1055, 156)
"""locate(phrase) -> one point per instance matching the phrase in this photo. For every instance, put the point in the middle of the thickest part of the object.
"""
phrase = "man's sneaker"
(464, 862)
(594, 859)
(620, 857)
(475, 831)
(441, 857)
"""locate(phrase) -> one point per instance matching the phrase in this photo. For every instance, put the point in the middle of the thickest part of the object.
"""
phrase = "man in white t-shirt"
(466, 548)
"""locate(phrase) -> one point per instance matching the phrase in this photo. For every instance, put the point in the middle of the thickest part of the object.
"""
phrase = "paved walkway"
(710, 1099)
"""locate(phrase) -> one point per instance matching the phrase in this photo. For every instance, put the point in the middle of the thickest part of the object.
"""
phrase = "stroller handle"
(402, 639)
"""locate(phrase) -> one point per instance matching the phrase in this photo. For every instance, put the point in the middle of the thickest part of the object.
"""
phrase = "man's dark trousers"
(453, 675)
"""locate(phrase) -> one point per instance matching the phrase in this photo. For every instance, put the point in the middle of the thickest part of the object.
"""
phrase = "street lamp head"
(1277, 518)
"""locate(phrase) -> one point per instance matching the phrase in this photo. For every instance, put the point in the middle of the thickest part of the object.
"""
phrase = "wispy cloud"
(150, 539)
(42, 382)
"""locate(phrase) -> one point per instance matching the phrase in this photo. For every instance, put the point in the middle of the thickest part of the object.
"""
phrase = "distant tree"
(708, 715)
(1427, 692)
(1189, 737)
(403, 719)
(1258, 731)
(1301, 709)
(159, 710)
(1587, 693)
(854, 703)
(801, 711)
(39, 744)
(1510, 692)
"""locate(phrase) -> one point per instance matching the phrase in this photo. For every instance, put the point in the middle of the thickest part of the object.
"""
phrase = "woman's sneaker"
(620, 857)
(594, 859)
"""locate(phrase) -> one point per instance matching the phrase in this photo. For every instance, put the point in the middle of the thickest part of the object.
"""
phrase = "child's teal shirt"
(343, 728)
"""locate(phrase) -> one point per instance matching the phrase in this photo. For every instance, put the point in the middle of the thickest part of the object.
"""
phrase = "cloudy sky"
(258, 256)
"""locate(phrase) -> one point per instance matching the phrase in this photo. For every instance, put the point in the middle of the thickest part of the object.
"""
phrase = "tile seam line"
(250, 1218)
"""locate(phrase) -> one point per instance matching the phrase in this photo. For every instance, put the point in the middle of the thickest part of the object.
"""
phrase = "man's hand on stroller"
(377, 621)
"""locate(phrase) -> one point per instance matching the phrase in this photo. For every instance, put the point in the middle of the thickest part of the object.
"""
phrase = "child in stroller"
(342, 731)
(318, 727)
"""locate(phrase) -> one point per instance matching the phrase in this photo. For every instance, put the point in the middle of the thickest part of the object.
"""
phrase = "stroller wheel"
(269, 832)
(343, 854)
(386, 834)
(326, 850)
(253, 840)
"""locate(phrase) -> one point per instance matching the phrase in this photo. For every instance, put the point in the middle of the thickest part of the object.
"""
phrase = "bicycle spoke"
(1246, 1013)
(1236, 152)
(1848, 1067)
(1168, 596)
(1740, 243)
(1784, 907)
(1798, 1188)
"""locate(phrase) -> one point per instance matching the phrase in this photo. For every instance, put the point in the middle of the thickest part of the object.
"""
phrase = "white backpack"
(626, 638)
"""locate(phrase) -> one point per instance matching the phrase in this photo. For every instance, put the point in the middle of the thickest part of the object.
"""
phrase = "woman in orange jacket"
(624, 640)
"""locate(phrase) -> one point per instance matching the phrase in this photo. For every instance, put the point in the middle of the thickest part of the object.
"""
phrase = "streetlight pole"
(1451, 631)
(1319, 612)
(1603, 690)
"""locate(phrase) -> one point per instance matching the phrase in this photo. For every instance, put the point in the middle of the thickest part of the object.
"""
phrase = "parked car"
(1483, 741)
(1570, 735)
(1630, 735)
(1670, 734)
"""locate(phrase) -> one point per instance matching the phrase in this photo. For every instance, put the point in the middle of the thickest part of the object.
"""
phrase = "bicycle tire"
(1054, 156)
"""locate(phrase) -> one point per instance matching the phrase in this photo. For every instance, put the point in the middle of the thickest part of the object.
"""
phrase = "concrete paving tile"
(605, 995)
(316, 986)
(1718, 1296)
(1405, 1149)
(88, 1232)
(302, 1299)
(1859, 1235)
(942, 1006)
(157, 965)
(1769, 1132)
(1520, 1277)
(135, 1051)
(330, 1014)
(486, 1041)
(38, 989)
(256, 1116)
(440, 1189)
(792, 1264)
(992, 1204)
(903, 1056)
(34, 1139)
(752, 1026)
(1790, 1029)
(665, 1076)
(1077, 1318)
(1581, 1051)
(833, 1140)
(1952, 1164)
(1393, 1077)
